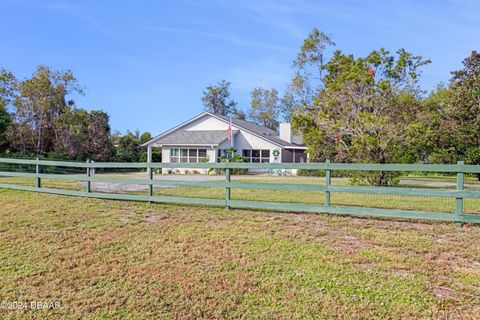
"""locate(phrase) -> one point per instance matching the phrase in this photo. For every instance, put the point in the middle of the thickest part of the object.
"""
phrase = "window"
(192, 155)
(265, 156)
(174, 155)
(256, 155)
(202, 155)
(184, 155)
(188, 155)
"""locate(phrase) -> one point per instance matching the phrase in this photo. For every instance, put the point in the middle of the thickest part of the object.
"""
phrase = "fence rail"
(458, 194)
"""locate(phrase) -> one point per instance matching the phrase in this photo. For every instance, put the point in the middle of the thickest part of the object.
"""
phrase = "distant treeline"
(39, 118)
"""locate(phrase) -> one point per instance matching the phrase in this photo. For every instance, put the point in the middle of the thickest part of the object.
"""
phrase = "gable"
(213, 122)
(206, 122)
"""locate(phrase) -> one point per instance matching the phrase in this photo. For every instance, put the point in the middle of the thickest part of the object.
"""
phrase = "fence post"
(150, 177)
(227, 187)
(38, 171)
(89, 174)
(459, 200)
(328, 180)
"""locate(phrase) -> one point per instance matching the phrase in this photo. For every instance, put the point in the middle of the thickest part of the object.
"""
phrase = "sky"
(147, 63)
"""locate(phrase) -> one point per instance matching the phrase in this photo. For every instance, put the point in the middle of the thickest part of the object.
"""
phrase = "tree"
(128, 149)
(312, 53)
(46, 122)
(5, 122)
(84, 135)
(239, 114)
(146, 136)
(38, 103)
(99, 144)
(264, 107)
(7, 87)
(296, 99)
(365, 110)
(455, 115)
(216, 99)
(465, 108)
(72, 134)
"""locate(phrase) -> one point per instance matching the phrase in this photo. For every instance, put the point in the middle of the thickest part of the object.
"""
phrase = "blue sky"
(147, 62)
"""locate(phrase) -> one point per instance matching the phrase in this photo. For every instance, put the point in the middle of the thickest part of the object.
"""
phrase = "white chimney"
(286, 132)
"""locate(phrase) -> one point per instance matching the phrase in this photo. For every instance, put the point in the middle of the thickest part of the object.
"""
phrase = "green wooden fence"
(459, 194)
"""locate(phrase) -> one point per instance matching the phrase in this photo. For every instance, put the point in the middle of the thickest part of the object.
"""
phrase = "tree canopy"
(45, 119)
(264, 107)
(216, 99)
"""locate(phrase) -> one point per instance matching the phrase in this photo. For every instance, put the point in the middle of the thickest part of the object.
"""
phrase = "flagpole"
(231, 133)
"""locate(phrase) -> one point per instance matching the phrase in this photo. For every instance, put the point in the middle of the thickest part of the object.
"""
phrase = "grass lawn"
(126, 260)
(433, 204)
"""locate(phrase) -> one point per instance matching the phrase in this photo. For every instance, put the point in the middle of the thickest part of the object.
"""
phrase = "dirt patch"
(126, 217)
(446, 293)
(156, 218)
(451, 294)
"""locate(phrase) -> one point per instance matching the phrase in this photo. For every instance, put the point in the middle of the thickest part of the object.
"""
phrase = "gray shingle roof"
(265, 132)
(214, 137)
(203, 137)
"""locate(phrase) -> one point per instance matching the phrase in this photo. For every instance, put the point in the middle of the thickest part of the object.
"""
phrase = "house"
(204, 138)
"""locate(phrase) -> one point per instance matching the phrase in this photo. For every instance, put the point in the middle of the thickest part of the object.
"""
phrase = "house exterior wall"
(242, 140)
(245, 140)
(206, 123)
(211, 154)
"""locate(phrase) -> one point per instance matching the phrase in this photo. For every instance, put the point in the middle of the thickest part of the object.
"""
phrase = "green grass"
(125, 260)
(468, 179)
(419, 203)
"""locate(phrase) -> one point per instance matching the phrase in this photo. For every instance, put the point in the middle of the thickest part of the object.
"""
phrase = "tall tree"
(7, 87)
(455, 115)
(297, 97)
(84, 135)
(99, 143)
(72, 134)
(310, 60)
(40, 101)
(365, 111)
(465, 108)
(216, 99)
(46, 121)
(308, 79)
(5, 121)
(264, 107)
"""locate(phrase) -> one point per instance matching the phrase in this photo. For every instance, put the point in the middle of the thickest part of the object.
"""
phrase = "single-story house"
(205, 138)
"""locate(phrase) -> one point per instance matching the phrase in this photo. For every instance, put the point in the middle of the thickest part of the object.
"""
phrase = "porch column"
(149, 158)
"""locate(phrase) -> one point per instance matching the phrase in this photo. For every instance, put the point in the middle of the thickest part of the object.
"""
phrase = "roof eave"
(295, 147)
(174, 128)
(188, 144)
(249, 131)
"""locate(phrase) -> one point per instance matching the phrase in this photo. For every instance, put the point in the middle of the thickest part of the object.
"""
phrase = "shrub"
(156, 156)
(311, 172)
